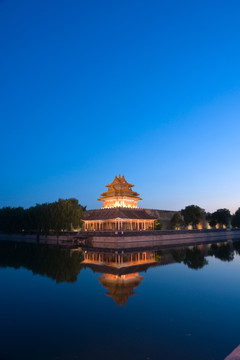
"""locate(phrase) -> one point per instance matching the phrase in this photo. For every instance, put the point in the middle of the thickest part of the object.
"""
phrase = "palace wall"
(164, 216)
(129, 239)
(161, 238)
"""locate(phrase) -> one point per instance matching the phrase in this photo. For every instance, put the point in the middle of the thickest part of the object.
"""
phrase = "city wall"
(127, 239)
(42, 239)
(161, 238)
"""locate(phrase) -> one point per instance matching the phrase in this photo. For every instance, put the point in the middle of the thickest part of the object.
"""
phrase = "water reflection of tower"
(120, 271)
(120, 287)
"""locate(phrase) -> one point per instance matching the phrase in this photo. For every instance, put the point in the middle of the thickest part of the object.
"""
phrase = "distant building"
(120, 210)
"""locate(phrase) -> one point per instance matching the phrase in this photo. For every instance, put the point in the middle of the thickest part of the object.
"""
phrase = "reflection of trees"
(158, 255)
(179, 254)
(57, 263)
(195, 259)
(236, 246)
(223, 252)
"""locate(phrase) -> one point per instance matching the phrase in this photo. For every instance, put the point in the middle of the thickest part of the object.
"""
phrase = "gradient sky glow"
(147, 89)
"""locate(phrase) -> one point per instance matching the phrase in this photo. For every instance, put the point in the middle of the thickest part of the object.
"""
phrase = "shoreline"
(127, 239)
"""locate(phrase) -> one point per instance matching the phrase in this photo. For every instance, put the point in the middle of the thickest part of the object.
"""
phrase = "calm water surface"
(105, 304)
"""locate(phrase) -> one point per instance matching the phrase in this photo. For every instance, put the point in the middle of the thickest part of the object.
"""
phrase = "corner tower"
(119, 194)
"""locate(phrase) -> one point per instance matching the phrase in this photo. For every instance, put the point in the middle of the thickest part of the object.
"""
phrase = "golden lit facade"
(119, 194)
(118, 223)
(119, 211)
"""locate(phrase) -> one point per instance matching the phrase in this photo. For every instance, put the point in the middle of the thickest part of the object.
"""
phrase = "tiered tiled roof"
(119, 188)
(119, 212)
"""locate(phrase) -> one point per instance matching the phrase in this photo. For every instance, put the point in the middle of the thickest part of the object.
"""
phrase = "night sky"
(146, 89)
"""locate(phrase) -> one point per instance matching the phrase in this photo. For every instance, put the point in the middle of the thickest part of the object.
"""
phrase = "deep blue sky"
(148, 89)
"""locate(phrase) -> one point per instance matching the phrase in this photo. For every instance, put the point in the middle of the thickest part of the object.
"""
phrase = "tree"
(176, 222)
(192, 215)
(221, 217)
(211, 220)
(236, 219)
(11, 219)
(158, 225)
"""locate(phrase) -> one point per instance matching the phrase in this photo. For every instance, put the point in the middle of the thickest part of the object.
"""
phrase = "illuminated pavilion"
(119, 211)
(119, 194)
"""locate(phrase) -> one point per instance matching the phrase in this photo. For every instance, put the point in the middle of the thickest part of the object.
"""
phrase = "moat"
(142, 303)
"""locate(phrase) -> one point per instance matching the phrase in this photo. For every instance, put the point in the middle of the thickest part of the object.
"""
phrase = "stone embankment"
(156, 238)
(126, 239)
(66, 239)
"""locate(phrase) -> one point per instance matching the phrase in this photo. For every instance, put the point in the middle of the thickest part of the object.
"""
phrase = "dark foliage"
(62, 215)
(220, 217)
(236, 246)
(176, 222)
(57, 263)
(158, 225)
(192, 215)
(236, 219)
(179, 255)
(195, 259)
(223, 252)
(192, 257)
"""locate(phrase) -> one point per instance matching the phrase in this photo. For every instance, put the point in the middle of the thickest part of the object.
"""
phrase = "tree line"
(193, 215)
(66, 215)
(58, 216)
